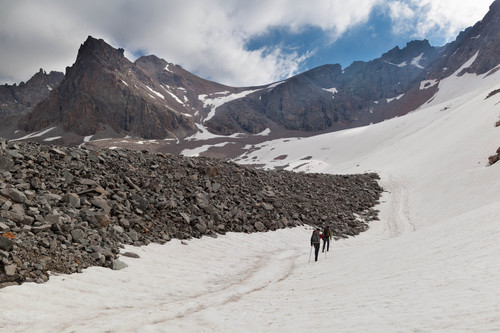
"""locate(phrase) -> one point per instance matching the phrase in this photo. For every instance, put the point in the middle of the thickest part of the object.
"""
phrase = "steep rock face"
(104, 88)
(18, 100)
(482, 40)
(328, 97)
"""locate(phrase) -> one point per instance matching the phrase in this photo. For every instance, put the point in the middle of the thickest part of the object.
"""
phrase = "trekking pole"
(310, 252)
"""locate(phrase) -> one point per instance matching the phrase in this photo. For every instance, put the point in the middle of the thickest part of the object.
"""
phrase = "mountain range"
(103, 95)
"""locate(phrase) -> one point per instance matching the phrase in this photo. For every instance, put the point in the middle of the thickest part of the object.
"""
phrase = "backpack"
(315, 237)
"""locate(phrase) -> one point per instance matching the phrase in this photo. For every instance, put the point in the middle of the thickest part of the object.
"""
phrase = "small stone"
(10, 270)
(51, 197)
(6, 162)
(267, 206)
(118, 265)
(260, 226)
(133, 235)
(131, 255)
(118, 229)
(6, 244)
(72, 199)
(14, 194)
(41, 228)
(101, 202)
(4, 227)
(52, 219)
(78, 234)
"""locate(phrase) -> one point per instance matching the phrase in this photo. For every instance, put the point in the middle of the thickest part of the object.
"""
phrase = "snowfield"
(431, 264)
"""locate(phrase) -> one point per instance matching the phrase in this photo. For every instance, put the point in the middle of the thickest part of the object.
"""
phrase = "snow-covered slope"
(429, 265)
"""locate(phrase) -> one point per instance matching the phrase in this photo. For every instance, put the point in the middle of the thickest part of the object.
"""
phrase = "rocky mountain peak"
(411, 50)
(151, 64)
(98, 48)
(104, 91)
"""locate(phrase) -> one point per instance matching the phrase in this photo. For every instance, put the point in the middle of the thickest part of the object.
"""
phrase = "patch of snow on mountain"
(142, 142)
(175, 97)
(403, 64)
(85, 140)
(168, 89)
(274, 85)
(52, 139)
(204, 134)
(416, 61)
(426, 84)
(332, 90)
(197, 151)
(155, 92)
(215, 102)
(394, 98)
(265, 132)
(34, 135)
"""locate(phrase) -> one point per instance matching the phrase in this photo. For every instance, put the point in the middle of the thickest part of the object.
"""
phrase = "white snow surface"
(155, 92)
(430, 264)
(332, 90)
(52, 138)
(394, 98)
(416, 61)
(35, 134)
(204, 134)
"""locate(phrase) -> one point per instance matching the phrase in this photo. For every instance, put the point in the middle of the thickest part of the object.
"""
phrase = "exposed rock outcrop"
(16, 100)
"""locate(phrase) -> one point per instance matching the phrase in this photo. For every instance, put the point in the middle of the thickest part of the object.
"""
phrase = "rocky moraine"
(63, 209)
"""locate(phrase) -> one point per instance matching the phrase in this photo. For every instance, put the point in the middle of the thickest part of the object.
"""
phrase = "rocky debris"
(64, 209)
(494, 158)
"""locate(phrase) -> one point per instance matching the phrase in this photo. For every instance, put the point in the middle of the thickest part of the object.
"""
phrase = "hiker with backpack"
(315, 240)
(327, 235)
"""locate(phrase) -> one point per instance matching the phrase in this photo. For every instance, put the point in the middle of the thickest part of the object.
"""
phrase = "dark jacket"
(327, 234)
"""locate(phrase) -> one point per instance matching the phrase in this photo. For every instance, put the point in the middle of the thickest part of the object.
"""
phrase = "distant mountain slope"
(328, 97)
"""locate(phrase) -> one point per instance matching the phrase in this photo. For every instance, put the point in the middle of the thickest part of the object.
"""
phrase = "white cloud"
(205, 37)
(444, 18)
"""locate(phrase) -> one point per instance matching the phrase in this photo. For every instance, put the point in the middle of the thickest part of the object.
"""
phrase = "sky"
(430, 264)
(234, 42)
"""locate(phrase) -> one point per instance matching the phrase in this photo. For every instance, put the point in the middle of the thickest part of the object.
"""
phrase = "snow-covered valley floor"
(431, 264)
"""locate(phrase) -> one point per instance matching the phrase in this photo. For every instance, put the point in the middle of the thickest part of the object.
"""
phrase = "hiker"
(327, 235)
(315, 240)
